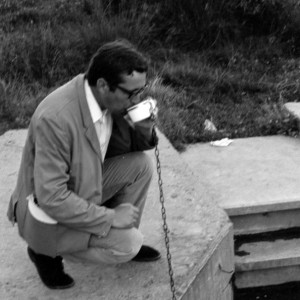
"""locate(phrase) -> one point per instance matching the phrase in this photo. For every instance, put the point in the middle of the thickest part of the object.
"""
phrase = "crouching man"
(84, 177)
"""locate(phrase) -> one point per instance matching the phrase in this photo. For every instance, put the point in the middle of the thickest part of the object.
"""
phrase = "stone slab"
(251, 175)
(265, 222)
(268, 255)
(194, 225)
(268, 263)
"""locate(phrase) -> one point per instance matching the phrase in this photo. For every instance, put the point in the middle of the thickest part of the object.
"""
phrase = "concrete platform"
(251, 175)
(256, 180)
(200, 239)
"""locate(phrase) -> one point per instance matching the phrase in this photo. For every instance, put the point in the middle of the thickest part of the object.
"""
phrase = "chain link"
(163, 209)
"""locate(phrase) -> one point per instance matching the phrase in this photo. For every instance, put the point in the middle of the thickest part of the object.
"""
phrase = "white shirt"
(102, 119)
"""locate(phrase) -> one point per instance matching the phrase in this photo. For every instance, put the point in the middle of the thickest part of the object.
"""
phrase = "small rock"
(209, 126)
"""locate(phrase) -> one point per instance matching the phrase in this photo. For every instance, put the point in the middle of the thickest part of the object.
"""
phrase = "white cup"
(142, 110)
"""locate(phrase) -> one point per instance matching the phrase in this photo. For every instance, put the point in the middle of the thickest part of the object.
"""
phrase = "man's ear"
(102, 85)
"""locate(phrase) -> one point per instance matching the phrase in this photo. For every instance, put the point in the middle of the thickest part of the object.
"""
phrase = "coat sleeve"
(125, 139)
(51, 175)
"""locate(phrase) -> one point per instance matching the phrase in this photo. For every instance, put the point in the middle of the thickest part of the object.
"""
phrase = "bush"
(18, 102)
(232, 62)
(194, 24)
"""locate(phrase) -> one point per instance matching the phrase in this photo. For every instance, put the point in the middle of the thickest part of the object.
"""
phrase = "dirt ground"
(193, 224)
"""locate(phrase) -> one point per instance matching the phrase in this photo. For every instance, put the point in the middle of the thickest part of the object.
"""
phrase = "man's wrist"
(105, 230)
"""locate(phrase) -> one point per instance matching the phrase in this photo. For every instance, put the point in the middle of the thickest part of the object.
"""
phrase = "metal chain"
(163, 209)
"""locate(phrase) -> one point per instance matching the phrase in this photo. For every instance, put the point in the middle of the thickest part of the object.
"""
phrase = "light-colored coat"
(62, 167)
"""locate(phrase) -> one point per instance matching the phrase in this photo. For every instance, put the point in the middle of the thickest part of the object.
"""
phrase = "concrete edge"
(208, 254)
(223, 231)
(263, 208)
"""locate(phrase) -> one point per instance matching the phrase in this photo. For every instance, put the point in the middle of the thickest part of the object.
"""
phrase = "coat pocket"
(41, 237)
(49, 239)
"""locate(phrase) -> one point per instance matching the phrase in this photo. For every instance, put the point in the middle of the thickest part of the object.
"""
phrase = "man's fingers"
(126, 215)
(135, 209)
(127, 118)
(136, 215)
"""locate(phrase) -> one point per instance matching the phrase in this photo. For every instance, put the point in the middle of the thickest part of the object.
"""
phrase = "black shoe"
(146, 254)
(51, 270)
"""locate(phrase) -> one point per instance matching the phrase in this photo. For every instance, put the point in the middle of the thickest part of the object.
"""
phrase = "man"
(83, 178)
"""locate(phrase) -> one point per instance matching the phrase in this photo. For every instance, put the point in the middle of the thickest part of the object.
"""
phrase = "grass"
(241, 103)
(209, 59)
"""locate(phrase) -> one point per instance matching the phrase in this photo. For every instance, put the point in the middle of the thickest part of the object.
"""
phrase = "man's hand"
(145, 127)
(125, 216)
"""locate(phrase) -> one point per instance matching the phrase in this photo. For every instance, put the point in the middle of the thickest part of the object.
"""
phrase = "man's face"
(126, 93)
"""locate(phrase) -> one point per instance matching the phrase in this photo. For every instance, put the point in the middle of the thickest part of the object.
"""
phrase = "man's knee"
(125, 244)
(131, 242)
(128, 248)
(144, 164)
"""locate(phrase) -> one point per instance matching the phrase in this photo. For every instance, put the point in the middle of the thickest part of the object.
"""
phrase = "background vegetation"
(232, 62)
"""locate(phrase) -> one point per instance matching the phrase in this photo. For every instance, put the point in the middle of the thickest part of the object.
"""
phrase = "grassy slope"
(242, 95)
(240, 85)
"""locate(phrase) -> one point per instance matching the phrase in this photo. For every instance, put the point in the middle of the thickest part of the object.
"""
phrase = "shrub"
(19, 102)
(227, 61)
(194, 24)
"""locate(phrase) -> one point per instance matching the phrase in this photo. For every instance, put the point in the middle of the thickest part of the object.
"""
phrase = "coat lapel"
(92, 137)
(90, 131)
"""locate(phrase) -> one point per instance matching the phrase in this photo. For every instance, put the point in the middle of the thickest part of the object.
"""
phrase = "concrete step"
(265, 263)
(268, 220)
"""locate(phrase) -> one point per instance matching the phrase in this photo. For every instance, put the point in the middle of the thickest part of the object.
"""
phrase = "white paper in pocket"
(38, 213)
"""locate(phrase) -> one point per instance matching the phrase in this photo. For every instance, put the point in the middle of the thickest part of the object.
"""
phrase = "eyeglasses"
(133, 93)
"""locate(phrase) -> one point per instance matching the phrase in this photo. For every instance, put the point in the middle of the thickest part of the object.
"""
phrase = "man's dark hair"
(114, 59)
